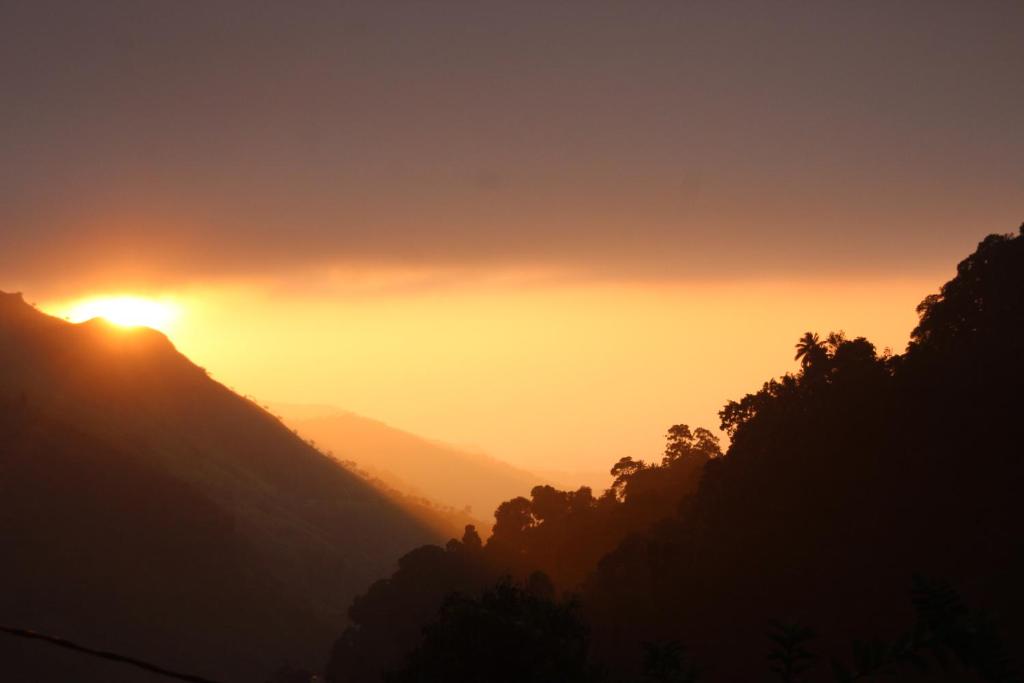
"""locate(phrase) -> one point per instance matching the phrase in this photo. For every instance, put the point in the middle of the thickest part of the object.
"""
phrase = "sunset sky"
(544, 230)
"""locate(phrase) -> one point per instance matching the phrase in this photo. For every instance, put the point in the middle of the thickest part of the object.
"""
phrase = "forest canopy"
(841, 482)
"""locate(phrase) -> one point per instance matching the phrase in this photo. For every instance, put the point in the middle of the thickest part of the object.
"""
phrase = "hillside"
(868, 503)
(412, 463)
(146, 508)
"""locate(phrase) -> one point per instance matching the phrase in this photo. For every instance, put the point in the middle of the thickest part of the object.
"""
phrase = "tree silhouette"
(510, 633)
(624, 470)
(810, 350)
(684, 443)
(840, 480)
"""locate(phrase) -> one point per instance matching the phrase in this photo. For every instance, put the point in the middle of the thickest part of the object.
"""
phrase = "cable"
(112, 656)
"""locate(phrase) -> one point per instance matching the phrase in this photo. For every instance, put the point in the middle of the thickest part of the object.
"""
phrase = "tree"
(682, 443)
(548, 504)
(622, 471)
(810, 350)
(511, 633)
(471, 539)
(982, 305)
(513, 517)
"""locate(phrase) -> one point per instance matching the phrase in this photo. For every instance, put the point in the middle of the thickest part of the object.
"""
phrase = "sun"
(127, 311)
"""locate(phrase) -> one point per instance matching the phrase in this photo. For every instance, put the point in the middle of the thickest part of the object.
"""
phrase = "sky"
(544, 230)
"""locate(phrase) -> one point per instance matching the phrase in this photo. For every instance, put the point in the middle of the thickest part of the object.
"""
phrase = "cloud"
(175, 143)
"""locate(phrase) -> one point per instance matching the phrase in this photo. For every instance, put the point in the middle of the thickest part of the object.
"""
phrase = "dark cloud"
(188, 140)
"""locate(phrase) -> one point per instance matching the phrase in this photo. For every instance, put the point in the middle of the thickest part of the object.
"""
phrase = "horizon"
(639, 370)
(538, 232)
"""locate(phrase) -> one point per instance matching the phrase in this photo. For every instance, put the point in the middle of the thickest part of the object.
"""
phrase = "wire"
(112, 656)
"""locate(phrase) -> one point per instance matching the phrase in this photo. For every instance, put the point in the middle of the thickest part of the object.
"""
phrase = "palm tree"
(834, 341)
(809, 350)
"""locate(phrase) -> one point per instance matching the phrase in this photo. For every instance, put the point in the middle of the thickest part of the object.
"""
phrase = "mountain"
(411, 463)
(146, 508)
(864, 521)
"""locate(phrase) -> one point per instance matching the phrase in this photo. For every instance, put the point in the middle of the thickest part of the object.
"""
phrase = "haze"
(544, 232)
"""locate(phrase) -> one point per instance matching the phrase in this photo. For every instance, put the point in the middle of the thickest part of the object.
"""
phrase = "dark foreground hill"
(842, 482)
(146, 508)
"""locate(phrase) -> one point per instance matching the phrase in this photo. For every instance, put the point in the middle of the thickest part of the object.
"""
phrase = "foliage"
(510, 633)
(667, 663)
(840, 480)
(790, 657)
(947, 637)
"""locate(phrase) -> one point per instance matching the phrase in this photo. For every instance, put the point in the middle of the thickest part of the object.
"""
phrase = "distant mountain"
(411, 463)
(146, 508)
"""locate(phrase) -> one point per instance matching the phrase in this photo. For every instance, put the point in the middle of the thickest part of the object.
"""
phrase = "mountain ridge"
(311, 532)
(412, 463)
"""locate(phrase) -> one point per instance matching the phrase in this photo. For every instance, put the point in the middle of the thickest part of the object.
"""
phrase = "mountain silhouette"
(412, 463)
(146, 508)
(844, 483)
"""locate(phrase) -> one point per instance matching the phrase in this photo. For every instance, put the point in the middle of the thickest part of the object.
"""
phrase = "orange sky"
(544, 372)
(549, 230)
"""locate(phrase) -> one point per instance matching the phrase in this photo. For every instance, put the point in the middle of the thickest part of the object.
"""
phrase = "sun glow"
(127, 311)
